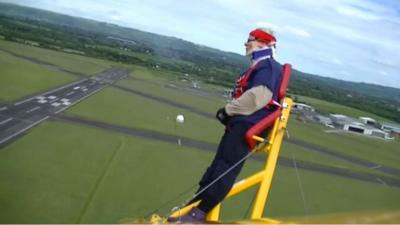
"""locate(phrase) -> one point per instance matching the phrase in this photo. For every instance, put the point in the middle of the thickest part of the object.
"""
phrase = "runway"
(19, 117)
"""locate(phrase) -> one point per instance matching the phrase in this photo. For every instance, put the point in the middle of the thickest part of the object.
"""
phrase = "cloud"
(383, 73)
(266, 25)
(337, 61)
(356, 13)
(296, 31)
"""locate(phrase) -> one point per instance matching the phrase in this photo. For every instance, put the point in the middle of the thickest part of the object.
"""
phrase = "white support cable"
(223, 174)
(214, 181)
(300, 187)
(178, 208)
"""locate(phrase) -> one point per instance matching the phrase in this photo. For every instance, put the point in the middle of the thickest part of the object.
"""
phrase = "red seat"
(269, 120)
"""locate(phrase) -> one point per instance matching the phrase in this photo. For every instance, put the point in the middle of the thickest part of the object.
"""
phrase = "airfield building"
(393, 128)
(368, 121)
(358, 126)
(325, 120)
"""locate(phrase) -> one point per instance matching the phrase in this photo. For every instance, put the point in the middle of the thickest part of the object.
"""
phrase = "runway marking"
(3, 108)
(23, 120)
(33, 109)
(47, 92)
(23, 130)
(86, 96)
(5, 121)
(21, 102)
(70, 93)
(54, 100)
(56, 104)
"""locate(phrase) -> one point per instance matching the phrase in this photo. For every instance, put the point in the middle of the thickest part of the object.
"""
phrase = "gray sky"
(355, 40)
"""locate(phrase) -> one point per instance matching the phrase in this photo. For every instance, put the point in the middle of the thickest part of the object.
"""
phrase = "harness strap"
(241, 83)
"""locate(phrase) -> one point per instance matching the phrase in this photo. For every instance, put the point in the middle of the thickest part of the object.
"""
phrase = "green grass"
(71, 62)
(54, 176)
(326, 194)
(202, 101)
(156, 76)
(118, 107)
(77, 174)
(301, 131)
(295, 152)
(150, 75)
(63, 173)
(20, 78)
(76, 171)
(166, 78)
(311, 194)
(373, 149)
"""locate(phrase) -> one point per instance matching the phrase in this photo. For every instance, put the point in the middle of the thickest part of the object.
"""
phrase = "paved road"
(187, 142)
(23, 115)
(345, 157)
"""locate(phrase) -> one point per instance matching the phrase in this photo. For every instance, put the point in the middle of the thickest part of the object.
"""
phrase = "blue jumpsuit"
(233, 146)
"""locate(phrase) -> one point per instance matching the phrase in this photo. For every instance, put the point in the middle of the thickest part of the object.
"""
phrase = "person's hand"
(222, 116)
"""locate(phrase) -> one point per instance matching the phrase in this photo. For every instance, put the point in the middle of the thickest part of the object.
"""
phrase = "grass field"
(68, 61)
(373, 149)
(21, 78)
(105, 108)
(305, 193)
(166, 79)
(76, 174)
(295, 152)
(202, 101)
(64, 173)
(326, 194)
(117, 107)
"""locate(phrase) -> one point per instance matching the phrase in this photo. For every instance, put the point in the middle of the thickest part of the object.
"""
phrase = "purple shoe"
(195, 215)
(173, 219)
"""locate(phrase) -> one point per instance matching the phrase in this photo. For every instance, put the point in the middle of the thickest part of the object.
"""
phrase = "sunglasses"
(251, 39)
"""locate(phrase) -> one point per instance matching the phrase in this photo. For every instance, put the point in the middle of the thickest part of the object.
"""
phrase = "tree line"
(176, 55)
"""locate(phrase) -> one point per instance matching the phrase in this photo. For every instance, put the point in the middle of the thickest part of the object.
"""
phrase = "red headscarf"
(263, 36)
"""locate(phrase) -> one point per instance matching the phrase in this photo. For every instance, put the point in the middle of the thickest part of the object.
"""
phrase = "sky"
(355, 40)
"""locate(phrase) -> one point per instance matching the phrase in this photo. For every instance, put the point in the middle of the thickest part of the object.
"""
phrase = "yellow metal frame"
(263, 178)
